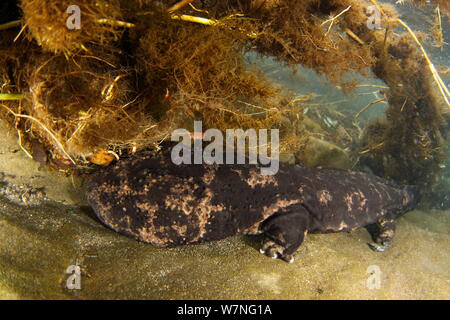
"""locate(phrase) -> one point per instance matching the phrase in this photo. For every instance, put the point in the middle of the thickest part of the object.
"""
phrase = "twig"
(334, 18)
(442, 87)
(404, 104)
(439, 35)
(185, 17)
(354, 36)
(368, 106)
(116, 23)
(367, 85)
(377, 146)
(11, 24)
(43, 127)
(11, 96)
(206, 21)
(198, 10)
(372, 86)
(20, 32)
(307, 97)
(179, 5)
(378, 6)
(21, 145)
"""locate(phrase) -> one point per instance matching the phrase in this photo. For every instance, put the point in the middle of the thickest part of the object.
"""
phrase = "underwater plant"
(137, 69)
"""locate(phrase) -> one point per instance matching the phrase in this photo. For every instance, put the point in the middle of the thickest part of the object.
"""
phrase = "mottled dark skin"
(149, 198)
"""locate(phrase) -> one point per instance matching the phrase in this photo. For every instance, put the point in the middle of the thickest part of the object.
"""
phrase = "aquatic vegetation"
(47, 20)
(138, 69)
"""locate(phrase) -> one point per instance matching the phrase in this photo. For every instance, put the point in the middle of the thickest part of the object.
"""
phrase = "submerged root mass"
(138, 69)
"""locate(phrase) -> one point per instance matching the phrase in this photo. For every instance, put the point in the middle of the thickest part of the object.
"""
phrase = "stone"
(309, 125)
(321, 153)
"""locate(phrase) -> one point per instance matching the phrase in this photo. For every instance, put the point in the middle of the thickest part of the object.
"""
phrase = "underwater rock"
(321, 153)
(287, 157)
(309, 125)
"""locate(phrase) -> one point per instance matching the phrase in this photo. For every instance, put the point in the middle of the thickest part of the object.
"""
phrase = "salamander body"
(149, 198)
